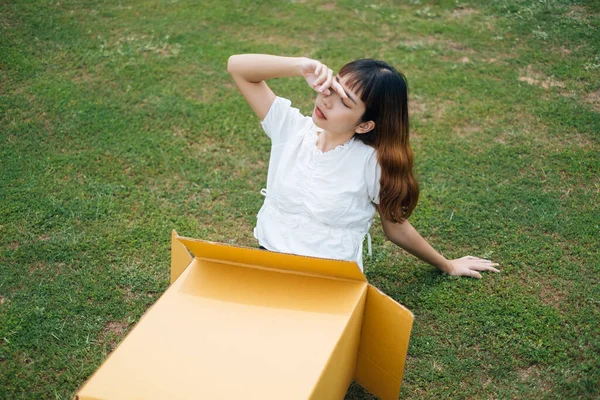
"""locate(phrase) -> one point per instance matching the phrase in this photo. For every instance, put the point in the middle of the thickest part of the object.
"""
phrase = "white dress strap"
(263, 191)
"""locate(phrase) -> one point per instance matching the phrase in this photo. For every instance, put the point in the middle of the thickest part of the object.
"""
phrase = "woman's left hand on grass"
(470, 266)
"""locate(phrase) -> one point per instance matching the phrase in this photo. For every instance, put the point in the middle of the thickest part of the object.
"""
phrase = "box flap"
(272, 260)
(180, 256)
(383, 345)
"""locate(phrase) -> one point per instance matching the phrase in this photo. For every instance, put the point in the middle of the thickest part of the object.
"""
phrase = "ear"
(364, 127)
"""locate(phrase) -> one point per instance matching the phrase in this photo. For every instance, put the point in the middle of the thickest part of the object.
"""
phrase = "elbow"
(232, 63)
(389, 236)
(386, 232)
(393, 231)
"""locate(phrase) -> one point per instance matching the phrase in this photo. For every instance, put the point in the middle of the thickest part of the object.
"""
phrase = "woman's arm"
(249, 72)
(407, 237)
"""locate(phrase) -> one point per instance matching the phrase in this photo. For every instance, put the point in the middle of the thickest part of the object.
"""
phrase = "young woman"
(330, 172)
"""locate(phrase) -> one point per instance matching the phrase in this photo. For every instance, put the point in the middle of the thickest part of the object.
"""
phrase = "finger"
(475, 274)
(339, 89)
(484, 268)
(321, 78)
(481, 260)
(486, 263)
(326, 84)
(328, 80)
(479, 264)
(316, 73)
(318, 69)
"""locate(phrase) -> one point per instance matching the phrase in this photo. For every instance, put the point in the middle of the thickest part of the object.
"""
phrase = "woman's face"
(336, 114)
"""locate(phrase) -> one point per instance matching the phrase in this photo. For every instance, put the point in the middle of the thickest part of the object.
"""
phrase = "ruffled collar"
(336, 149)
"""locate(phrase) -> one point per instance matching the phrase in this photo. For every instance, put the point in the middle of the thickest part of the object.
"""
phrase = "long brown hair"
(385, 94)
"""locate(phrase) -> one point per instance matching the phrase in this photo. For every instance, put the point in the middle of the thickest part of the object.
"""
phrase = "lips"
(319, 113)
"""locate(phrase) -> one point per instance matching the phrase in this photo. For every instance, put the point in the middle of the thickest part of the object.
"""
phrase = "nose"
(327, 101)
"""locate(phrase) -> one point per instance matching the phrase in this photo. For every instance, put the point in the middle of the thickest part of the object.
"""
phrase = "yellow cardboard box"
(241, 323)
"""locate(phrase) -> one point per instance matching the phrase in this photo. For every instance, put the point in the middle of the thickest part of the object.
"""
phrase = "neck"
(328, 141)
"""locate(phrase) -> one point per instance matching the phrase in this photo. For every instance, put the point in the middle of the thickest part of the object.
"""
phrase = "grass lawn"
(119, 122)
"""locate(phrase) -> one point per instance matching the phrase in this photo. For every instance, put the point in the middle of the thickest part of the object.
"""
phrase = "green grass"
(118, 123)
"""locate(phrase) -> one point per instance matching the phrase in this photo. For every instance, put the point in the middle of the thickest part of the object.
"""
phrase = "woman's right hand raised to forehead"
(320, 77)
(250, 71)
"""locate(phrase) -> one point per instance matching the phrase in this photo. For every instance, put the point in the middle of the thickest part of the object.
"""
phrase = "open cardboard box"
(242, 323)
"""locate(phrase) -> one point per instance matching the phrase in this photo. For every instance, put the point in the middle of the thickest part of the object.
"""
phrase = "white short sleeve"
(372, 177)
(283, 120)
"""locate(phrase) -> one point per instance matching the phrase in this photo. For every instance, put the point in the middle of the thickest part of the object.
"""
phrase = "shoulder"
(282, 108)
(368, 153)
(280, 104)
(283, 120)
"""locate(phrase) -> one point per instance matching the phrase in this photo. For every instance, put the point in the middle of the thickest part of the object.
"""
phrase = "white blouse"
(317, 204)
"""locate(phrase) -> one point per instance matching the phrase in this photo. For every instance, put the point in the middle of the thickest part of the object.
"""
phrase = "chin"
(317, 121)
